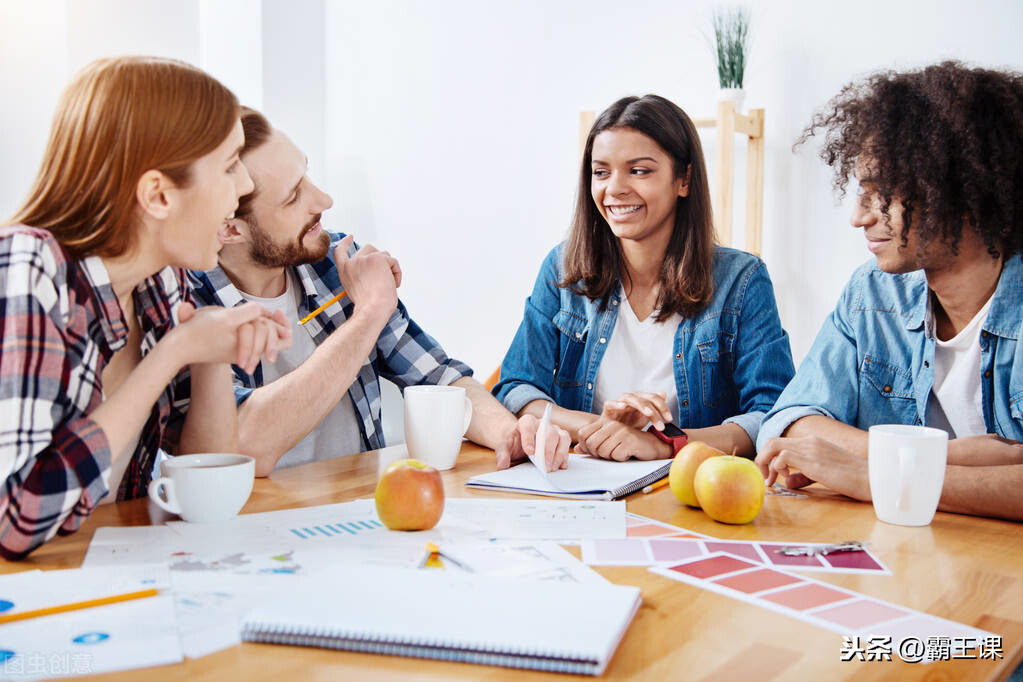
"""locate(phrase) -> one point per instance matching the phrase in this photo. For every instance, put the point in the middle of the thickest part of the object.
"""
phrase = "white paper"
(352, 524)
(40, 589)
(539, 456)
(584, 476)
(529, 560)
(133, 634)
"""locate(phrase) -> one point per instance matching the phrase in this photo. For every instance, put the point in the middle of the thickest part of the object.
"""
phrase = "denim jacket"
(872, 362)
(731, 360)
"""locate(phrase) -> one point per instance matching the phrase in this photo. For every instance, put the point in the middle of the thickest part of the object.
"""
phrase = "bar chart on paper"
(341, 528)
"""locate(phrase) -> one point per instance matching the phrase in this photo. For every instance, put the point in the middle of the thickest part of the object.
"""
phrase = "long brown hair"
(593, 257)
(116, 120)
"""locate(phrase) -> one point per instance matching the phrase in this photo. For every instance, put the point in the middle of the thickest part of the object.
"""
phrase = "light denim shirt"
(873, 360)
(731, 360)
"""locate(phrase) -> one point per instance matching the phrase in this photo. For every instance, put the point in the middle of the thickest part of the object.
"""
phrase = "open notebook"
(585, 478)
(533, 624)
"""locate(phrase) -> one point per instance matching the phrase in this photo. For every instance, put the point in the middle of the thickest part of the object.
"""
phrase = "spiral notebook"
(585, 478)
(511, 622)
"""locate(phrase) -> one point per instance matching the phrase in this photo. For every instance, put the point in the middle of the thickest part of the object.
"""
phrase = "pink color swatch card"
(637, 526)
(833, 608)
(649, 551)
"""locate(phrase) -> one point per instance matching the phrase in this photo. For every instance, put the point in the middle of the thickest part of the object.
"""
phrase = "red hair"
(119, 118)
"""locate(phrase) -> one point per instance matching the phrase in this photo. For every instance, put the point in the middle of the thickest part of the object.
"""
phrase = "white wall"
(452, 134)
(447, 131)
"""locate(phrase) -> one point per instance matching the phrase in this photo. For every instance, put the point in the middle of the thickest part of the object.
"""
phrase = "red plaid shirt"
(61, 325)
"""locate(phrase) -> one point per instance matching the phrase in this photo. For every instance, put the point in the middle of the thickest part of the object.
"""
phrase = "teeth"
(623, 210)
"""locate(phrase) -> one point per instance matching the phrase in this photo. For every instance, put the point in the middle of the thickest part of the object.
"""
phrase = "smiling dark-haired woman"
(639, 317)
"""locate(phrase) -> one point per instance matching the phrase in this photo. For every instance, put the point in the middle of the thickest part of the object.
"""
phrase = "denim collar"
(1003, 319)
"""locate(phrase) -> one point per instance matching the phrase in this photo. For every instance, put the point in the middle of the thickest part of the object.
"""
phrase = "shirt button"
(887, 389)
(578, 335)
(678, 356)
(603, 340)
(589, 386)
(614, 301)
(685, 403)
(983, 334)
(927, 363)
(987, 374)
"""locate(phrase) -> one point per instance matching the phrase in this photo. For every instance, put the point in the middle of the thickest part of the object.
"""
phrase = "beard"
(268, 253)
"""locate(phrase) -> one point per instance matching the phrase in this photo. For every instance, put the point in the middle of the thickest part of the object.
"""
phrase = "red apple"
(683, 468)
(729, 488)
(410, 496)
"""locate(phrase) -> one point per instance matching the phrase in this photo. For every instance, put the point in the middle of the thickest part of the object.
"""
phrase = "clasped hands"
(618, 432)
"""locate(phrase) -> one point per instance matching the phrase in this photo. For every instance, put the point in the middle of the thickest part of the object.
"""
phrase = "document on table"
(131, 634)
(585, 478)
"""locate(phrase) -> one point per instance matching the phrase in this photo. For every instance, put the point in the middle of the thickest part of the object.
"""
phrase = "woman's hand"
(240, 335)
(637, 409)
(610, 439)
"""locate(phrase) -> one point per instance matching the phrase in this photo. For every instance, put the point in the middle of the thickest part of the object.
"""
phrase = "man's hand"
(610, 439)
(987, 450)
(520, 443)
(637, 409)
(802, 460)
(370, 277)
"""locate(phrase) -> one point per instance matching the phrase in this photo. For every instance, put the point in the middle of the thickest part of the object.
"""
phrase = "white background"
(447, 131)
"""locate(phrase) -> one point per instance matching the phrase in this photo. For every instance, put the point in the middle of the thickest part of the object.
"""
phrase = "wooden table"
(963, 568)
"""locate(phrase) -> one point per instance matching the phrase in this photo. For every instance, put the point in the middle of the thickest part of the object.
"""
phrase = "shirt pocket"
(572, 333)
(716, 381)
(889, 389)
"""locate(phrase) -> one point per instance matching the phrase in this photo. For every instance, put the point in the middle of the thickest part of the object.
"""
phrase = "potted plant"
(731, 51)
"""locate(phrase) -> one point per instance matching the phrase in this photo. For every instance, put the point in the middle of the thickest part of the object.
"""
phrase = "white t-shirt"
(338, 434)
(955, 403)
(639, 357)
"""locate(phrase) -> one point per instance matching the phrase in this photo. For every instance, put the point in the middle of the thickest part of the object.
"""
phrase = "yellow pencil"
(74, 606)
(655, 485)
(321, 308)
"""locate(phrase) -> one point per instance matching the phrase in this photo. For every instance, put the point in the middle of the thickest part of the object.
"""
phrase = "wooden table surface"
(962, 568)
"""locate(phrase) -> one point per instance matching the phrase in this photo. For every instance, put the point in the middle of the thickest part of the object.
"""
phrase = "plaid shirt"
(61, 324)
(404, 353)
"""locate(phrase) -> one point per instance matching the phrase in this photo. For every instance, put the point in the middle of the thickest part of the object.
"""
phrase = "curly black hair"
(946, 141)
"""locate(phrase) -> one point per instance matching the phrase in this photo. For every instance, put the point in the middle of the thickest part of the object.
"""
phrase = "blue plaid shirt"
(404, 353)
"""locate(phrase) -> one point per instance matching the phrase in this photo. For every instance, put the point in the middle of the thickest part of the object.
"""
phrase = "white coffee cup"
(436, 418)
(907, 471)
(204, 488)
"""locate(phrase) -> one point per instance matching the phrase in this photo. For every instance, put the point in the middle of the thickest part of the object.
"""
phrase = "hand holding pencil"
(369, 277)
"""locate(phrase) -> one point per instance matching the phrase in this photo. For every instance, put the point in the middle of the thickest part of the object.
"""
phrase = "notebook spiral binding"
(530, 659)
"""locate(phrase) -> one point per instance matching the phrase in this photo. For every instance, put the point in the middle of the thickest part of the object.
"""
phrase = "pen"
(655, 485)
(74, 606)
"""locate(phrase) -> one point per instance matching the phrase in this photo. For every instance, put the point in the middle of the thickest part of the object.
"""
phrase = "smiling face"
(634, 186)
(884, 235)
(284, 223)
(216, 180)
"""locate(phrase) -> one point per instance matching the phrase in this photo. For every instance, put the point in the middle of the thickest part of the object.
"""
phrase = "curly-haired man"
(927, 332)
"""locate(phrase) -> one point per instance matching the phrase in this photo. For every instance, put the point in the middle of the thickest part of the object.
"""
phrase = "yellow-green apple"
(683, 468)
(410, 495)
(730, 489)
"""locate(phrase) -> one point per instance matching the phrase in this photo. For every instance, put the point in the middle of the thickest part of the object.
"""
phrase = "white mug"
(204, 488)
(436, 418)
(906, 465)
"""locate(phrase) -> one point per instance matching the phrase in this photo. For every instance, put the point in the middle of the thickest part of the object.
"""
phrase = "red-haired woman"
(105, 359)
